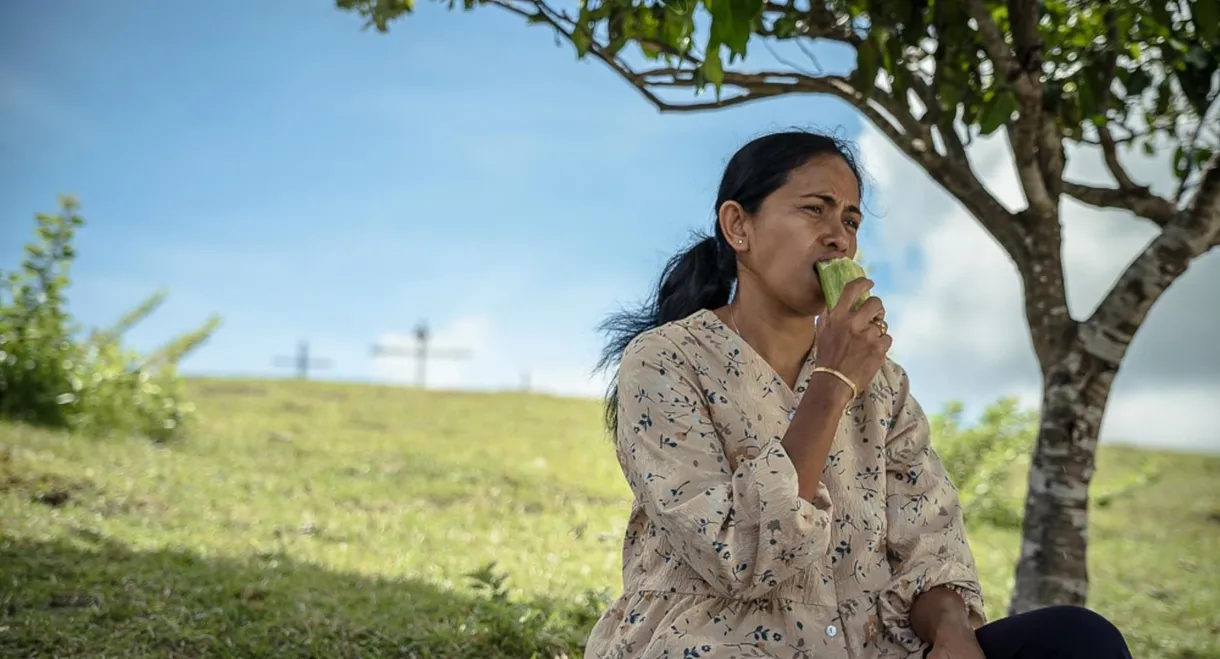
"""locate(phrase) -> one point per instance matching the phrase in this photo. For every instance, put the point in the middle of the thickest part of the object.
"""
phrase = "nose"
(836, 238)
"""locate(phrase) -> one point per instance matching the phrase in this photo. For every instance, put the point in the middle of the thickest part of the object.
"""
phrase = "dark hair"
(702, 276)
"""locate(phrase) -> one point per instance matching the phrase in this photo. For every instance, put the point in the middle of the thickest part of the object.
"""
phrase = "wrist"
(834, 388)
(951, 627)
(939, 615)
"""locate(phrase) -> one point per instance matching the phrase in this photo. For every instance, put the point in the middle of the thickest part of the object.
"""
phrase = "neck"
(780, 336)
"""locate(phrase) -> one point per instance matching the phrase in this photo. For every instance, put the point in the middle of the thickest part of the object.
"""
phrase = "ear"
(734, 224)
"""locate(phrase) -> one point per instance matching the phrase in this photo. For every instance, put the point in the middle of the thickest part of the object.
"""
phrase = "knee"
(1091, 633)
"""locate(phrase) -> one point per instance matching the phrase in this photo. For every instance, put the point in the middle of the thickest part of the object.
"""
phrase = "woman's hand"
(956, 643)
(850, 343)
(854, 342)
(939, 617)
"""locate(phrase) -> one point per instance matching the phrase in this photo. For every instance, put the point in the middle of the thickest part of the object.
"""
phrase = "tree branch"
(945, 122)
(1030, 136)
(1127, 139)
(821, 22)
(1191, 233)
(1001, 55)
(1139, 200)
(1027, 42)
(887, 112)
(1204, 212)
(1109, 147)
(1051, 158)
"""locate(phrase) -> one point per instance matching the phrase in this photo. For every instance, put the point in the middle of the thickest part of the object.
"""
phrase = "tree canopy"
(1138, 72)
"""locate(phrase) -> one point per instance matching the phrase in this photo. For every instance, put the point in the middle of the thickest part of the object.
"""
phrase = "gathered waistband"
(806, 588)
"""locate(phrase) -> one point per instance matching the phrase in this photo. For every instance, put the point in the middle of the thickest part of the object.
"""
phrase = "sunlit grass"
(307, 519)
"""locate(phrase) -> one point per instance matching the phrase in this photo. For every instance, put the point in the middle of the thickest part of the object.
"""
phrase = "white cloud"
(958, 315)
(1178, 416)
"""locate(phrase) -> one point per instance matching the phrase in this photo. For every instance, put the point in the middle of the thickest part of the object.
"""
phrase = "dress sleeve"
(925, 533)
(743, 530)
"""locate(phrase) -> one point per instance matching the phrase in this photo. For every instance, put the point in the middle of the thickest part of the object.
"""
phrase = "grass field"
(327, 520)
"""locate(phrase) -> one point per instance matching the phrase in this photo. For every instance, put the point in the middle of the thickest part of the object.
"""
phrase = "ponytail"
(701, 277)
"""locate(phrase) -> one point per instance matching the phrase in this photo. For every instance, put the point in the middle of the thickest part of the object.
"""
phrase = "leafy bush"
(52, 375)
(980, 458)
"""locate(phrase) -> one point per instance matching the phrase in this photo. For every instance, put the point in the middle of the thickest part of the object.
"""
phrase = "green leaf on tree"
(1207, 18)
(998, 111)
(713, 68)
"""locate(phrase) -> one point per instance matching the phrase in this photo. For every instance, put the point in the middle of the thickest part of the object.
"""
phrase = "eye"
(853, 222)
(816, 209)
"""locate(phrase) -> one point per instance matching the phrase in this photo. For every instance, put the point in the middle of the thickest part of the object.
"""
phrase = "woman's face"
(813, 217)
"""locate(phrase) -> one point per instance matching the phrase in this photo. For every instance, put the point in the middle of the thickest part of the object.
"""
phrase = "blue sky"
(273, 163)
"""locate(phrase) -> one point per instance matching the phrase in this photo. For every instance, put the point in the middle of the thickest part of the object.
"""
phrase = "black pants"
(1057, 632)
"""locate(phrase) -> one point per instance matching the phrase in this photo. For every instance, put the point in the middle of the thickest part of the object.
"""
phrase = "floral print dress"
(723, 560)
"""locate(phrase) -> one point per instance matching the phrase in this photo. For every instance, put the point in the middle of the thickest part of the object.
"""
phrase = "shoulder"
(649, 346)
(892, 390)
(894, 376)
(672, 348)
(893, 386)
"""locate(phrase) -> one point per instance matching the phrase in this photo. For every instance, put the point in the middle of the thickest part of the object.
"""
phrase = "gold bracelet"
(855, 392)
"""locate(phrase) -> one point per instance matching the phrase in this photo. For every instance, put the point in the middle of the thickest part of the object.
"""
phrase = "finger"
(872, 309)
(880, 315)
(852, 292)
(876, 335)
(865, 320)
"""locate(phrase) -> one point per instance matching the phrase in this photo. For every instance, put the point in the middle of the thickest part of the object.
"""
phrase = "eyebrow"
(830, 199)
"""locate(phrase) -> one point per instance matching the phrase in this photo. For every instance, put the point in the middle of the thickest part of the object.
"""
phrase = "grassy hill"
(312, 519)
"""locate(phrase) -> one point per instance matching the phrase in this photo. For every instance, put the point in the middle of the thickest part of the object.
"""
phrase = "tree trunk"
(1053, 567)
(1079, 362)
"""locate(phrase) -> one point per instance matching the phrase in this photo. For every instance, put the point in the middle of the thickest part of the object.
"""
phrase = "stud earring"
(739, 241)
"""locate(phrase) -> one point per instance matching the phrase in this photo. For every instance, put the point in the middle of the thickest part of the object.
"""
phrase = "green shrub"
(52, 375)
(980, 458)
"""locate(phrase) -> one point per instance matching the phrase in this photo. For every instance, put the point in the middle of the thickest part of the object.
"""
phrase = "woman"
(787, 501)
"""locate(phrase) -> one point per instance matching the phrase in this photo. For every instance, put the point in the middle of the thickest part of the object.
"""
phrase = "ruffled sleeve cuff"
(900, 594)
(772, 489)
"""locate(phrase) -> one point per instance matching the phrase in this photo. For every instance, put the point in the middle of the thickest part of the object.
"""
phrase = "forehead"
(824, 174)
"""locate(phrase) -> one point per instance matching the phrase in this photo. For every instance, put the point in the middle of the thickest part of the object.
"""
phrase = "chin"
(815, 304)
(810, 308)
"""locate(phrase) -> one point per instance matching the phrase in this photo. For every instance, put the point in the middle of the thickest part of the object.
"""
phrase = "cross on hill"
(302, 362)
(421, 353)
